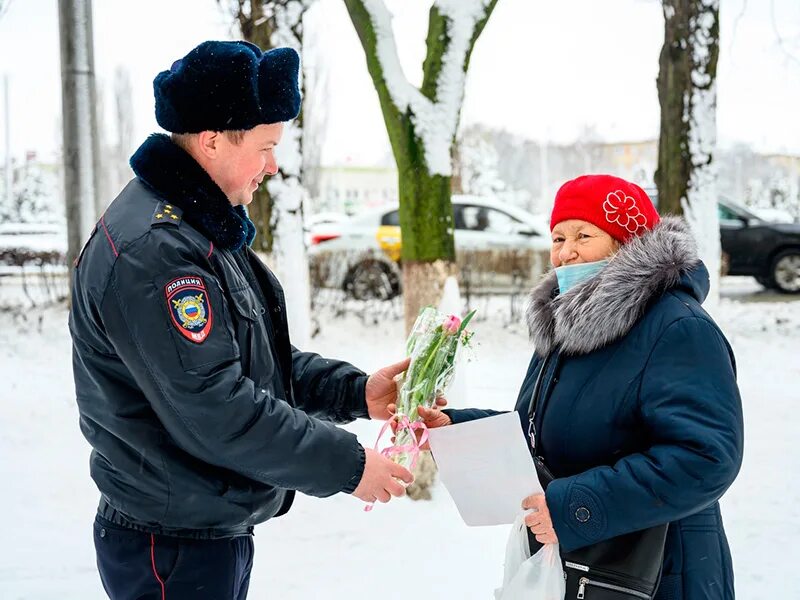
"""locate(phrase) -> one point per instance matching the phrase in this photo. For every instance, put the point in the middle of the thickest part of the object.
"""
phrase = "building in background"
(634, 161)
(351, 189)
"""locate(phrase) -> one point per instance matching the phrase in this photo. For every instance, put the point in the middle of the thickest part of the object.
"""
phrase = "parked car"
(500, 248)
(322, 226)
(768, 251)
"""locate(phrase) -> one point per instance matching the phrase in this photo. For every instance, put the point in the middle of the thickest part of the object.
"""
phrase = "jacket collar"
(603, 309)
(177, 178)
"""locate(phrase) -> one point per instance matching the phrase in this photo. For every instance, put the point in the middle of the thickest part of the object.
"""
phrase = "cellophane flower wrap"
(434, 346)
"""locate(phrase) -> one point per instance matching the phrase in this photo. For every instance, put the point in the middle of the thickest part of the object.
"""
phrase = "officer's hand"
(382, 389)
(380, 479)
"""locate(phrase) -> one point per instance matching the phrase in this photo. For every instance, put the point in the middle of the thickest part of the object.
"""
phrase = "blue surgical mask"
(571, 275)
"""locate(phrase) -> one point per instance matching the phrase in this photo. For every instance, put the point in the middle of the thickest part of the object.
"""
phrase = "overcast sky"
(547, 70)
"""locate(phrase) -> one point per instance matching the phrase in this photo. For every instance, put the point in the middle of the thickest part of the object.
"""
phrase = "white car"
(322, 226)
(500, 248)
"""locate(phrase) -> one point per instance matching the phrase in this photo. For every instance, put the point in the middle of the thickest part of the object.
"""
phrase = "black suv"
(770, 252)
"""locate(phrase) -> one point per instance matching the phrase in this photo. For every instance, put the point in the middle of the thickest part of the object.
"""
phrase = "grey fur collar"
(603, 309)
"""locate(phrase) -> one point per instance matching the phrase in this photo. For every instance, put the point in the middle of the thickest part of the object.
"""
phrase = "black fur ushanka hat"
(221, 86)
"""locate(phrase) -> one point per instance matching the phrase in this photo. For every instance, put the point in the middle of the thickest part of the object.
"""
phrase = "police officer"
(203, 418)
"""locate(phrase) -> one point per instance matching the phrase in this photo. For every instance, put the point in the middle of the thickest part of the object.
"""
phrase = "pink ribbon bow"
(414, 448)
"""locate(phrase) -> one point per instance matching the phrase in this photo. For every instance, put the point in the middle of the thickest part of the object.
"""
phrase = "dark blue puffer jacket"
(639, 415)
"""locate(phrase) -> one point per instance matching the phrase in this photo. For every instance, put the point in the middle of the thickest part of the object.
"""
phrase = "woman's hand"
(432, 417)
(539, 521)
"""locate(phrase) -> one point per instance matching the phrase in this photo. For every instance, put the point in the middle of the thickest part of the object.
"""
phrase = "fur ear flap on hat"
(282, 91)
(220, 86)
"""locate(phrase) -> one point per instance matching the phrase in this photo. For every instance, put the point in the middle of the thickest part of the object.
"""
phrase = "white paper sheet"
(487, 468)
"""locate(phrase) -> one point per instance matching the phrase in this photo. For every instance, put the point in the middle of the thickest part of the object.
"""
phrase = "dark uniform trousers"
(135, 565)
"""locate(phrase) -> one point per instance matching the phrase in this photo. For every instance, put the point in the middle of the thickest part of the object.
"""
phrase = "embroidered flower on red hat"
(622, 209)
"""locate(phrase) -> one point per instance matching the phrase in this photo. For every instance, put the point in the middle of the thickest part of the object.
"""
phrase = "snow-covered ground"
(331, 548)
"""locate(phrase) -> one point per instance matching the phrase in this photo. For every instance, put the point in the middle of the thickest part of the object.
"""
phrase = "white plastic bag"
(540, 576)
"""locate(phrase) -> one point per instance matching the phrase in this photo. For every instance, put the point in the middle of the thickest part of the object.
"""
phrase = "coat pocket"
(596, 589)
(584, 583)
(166, 554)
(248, 311)
(706, 565)
(247, 307)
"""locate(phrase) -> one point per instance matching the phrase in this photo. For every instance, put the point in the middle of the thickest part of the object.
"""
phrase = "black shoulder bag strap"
(545, 476)
(620, 568)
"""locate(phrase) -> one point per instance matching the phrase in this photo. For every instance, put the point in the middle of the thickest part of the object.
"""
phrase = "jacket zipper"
(584, 581)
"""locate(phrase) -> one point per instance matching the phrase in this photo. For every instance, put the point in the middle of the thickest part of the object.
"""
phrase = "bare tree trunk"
(277, 207)
(316, 102)
(674, 84)
(686, 176)
(423, 284)
(258, 30)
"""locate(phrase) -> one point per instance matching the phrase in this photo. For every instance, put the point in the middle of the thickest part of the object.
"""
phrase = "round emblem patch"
(189, 307)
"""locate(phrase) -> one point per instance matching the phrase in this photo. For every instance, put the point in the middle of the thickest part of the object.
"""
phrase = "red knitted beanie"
(620, 208)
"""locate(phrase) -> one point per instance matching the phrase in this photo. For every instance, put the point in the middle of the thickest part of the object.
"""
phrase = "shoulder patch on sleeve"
(190, 307)
(167, 214)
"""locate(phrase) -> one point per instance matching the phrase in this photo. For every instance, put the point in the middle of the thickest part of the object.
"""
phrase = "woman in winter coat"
(638, 414)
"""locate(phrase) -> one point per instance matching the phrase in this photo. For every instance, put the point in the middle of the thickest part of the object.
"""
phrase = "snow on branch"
(435, 122)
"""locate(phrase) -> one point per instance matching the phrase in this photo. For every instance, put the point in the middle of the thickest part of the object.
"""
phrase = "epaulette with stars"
(167, 214)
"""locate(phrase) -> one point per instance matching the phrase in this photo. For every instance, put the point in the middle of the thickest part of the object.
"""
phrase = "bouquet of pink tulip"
(433, 345)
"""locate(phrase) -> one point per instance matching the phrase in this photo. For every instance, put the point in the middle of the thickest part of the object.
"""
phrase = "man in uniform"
(203, 418)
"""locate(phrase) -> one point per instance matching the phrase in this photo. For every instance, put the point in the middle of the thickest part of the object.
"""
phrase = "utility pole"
(8, 174)
(77, 93)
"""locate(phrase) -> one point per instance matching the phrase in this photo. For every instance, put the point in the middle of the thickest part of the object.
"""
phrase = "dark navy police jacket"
(204, 420)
